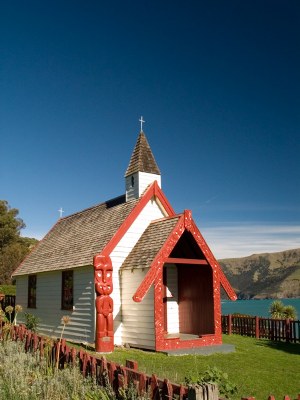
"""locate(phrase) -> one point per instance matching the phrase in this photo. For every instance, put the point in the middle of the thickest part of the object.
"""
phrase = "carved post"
(104, 341)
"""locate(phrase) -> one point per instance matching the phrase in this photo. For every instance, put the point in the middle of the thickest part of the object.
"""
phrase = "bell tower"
(142, 169)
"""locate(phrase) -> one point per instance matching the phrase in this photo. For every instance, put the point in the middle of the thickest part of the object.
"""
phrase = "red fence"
(102, 370)
(109, 372)
(273, 329)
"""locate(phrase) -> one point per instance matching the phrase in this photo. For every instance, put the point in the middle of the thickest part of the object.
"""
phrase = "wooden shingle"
(74, 240)
(142, 159)
(150, 243)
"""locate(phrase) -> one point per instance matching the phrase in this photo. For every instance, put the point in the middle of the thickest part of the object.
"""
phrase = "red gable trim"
(153, 191)
(211, 259)
(159, 261)
(185, 223)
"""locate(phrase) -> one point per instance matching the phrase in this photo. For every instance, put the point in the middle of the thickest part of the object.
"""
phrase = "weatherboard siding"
(145, 179)
(138, 318)
(48, 304)
(172, 299)
(150, 212)
(141, 181)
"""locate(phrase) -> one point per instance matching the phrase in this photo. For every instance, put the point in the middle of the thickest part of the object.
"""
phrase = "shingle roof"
(76, 239)
(142, 159)
(150, 243)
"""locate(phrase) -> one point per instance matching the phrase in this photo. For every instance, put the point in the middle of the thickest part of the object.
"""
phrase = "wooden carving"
(104, 303)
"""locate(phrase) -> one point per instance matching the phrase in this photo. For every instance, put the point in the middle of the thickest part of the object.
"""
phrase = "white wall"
(172, 301)
(141, 181)
(138, 318)
(126, 244)
(48, 304)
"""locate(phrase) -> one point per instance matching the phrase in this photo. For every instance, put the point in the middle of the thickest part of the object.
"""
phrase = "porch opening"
(188, 293)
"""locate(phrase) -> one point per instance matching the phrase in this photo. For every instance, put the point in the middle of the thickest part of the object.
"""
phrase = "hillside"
(266, 275)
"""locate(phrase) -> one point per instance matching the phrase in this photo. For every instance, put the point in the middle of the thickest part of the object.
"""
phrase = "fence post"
(131, 364)
(257, 327)
(287, 330)
(229, 324)
(206, 391)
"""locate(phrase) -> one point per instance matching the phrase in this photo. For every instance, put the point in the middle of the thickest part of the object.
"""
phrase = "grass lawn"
(258, 367)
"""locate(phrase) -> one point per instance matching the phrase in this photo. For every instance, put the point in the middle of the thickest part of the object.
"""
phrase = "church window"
(67, 290)
(31, 302)
(132, 181)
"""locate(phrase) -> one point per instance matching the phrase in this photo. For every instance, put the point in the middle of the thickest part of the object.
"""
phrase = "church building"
(127, 271)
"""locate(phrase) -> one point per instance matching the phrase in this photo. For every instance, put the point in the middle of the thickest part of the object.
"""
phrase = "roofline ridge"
(168, 217)
(91, 207)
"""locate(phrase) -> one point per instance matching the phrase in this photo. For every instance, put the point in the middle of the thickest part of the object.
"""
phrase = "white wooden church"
(162, 284)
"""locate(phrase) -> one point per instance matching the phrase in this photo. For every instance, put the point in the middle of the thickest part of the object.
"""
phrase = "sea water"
(258, 308)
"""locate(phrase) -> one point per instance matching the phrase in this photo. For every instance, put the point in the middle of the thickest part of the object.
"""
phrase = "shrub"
(22, 376)
(31, 322)
(216, 376)
(8, 289)
(279, 311)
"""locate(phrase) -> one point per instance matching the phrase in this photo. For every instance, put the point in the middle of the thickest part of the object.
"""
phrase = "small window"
(132, 181)
(67, 290)
(31, 303)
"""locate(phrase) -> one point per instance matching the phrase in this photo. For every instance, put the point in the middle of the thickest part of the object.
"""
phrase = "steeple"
(142, 169)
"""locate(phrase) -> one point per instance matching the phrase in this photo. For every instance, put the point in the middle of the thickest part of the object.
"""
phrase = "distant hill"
(266, 275)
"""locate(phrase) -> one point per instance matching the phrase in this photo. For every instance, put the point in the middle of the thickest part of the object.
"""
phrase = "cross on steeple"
(141, 121)
(61, 211)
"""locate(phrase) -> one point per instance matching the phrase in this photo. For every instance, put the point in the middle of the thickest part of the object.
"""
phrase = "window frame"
(31, 294)
(67, 290)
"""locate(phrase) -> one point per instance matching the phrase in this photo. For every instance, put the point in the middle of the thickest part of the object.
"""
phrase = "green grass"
(258, 367)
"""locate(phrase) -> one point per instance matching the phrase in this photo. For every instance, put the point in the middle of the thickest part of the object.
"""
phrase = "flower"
(18, 308)
(65, 319)
(9, 309)
(2, 315)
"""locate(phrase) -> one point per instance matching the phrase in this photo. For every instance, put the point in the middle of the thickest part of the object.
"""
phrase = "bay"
(258, 308)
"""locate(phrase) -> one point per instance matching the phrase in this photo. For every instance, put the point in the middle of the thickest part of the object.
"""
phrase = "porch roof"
(150, 243)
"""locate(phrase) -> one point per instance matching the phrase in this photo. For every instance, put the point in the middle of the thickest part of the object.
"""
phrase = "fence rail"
(101, 369)
(116, 375)
(265, 328)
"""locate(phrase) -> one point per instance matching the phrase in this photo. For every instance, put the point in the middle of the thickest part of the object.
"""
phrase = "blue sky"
(217, 82)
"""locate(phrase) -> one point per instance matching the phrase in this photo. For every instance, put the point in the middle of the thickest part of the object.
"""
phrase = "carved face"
(103, 275)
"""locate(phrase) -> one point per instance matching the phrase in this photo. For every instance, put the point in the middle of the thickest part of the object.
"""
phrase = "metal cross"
(61, 211)
(141, 121)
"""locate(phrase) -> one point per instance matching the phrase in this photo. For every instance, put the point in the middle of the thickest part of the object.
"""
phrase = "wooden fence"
(102, 370)
(273, 329)
(8, 300)
(116, 375)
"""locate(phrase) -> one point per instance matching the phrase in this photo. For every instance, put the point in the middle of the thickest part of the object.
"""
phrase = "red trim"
(155, 276)
(212, 261)
(161, 343)
(159, 260)
(185, 222)
(153, 190)
(185, 261)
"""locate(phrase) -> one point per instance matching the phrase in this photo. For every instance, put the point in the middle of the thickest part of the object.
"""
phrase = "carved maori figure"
(104, 303)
